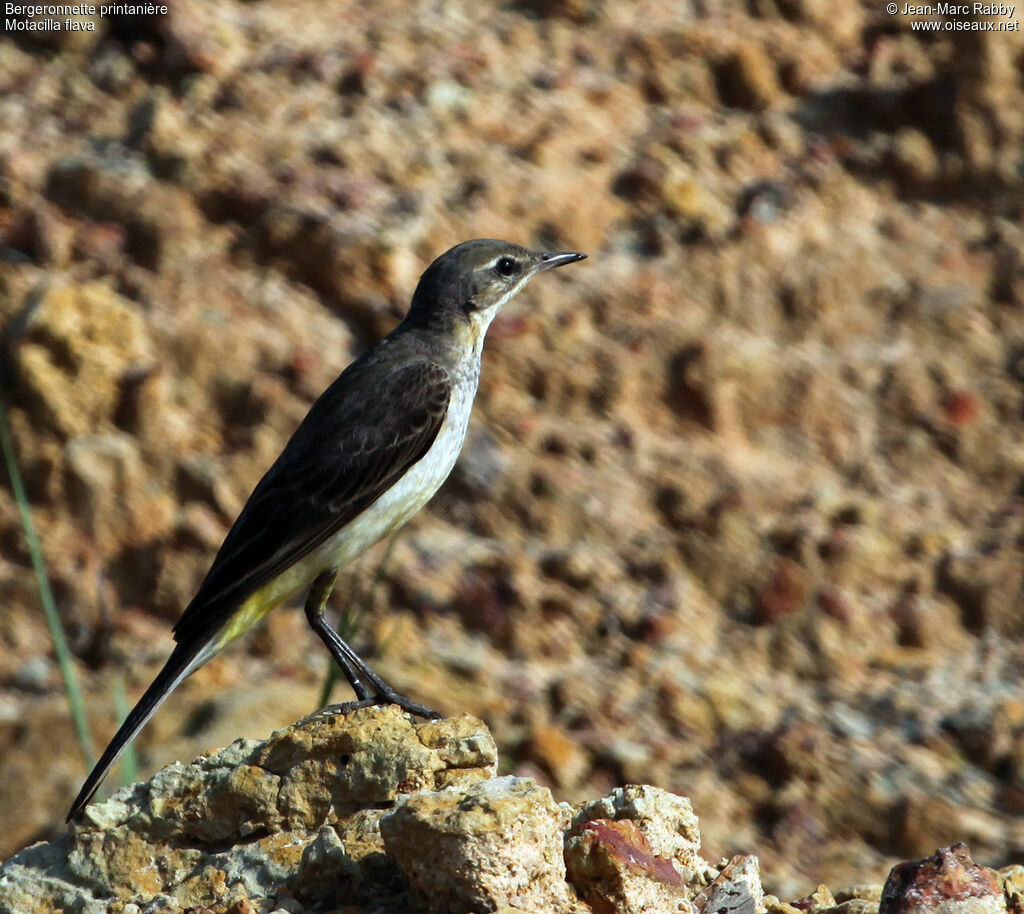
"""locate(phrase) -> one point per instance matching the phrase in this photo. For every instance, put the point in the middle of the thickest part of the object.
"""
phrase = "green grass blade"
(60, 645)
(129, 765)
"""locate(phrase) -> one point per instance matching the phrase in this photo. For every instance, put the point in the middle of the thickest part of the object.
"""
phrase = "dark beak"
(552, 260)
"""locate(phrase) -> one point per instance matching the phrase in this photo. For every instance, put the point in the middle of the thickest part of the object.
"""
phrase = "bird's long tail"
(183, 660)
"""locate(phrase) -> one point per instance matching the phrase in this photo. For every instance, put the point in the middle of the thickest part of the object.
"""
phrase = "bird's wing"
(358, 439)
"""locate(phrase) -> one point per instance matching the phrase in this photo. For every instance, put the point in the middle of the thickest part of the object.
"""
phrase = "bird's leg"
(370, 689)
(316, 604)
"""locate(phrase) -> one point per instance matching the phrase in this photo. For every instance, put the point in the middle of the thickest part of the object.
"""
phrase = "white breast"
(411, 492)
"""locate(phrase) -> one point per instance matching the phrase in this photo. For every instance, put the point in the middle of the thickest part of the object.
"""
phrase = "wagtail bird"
(370, 453)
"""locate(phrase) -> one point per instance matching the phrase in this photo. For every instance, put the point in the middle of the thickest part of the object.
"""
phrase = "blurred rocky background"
(741, 514)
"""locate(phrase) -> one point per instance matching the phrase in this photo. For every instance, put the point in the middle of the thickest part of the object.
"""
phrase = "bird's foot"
(389, 697)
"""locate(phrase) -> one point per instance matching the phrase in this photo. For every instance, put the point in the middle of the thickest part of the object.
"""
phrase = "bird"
(372, 450)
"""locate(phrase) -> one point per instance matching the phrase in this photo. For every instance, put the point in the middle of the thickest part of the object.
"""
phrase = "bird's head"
(469, 283)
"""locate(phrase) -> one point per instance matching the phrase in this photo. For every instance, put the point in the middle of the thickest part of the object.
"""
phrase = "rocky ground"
(367, 812)
(741, 515)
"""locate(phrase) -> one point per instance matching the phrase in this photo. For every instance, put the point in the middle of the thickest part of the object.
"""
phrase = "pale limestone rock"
(79, 343)
(613, 867)
(665, 820)
(737, 889)
(636, 849)
(235, 829)
(488, 847)
(371, 811)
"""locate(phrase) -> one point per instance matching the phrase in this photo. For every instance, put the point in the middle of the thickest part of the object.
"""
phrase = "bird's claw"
(386, 698)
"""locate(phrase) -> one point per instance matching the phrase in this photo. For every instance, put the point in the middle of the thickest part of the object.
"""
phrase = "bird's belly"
(399, 503)
(396, 506)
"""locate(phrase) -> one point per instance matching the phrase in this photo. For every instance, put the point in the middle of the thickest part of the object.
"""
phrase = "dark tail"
(183, 660)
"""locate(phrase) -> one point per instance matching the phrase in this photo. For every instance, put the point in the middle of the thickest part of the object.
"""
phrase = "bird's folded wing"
(358, 439)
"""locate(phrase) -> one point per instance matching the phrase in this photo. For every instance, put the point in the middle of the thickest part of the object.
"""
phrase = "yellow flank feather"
(248, 614)
(268, 597)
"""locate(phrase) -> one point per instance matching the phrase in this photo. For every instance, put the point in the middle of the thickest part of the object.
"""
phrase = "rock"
(34, 674)
(666, 821)
(985, 586)
(156, 223)
(914, 157)
(1012, 880)
(949, 882)
(746, 78)
(737, 888)
(558, 753)
(106, 485)
(854, 906)
(371, 810)
(635, 850)
(78, 344)
(494, 845)
(820, 899)
(367, 811)
(576, 10)
(241, 825)
(859, 893)
(199, 36)
(160, 129)
(614, 868)
(785, 593)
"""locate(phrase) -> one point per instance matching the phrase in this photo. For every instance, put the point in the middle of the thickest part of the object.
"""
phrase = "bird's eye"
(506, 266)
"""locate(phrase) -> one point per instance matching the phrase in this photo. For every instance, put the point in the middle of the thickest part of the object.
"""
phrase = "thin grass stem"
(60, 644)
(129, 763)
